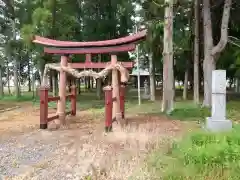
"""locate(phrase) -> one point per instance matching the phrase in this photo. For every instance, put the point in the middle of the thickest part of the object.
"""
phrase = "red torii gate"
(112, 97)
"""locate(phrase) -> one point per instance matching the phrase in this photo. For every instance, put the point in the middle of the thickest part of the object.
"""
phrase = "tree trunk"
(85, 83)
(79, 86)
(168, 91)
(15, 64)
(152, 78)
(196, 52)
(237, 85)
(8, 74)
(231, 81)
(33, 85)
(188, 79)
(89, 83)
(16, 84)
(92, 82)
(51, 75)
(191, 83)
(185, 87)
(224, 29)
(41, 69)
(1, 82)
(99, 82)
(210, 51)
(29, 73)
(55, 83)
(16, 80)
(208, 62)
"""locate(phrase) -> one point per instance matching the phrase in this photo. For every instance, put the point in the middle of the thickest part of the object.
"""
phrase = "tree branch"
(158, 5)
(219, 3)
(224, 29)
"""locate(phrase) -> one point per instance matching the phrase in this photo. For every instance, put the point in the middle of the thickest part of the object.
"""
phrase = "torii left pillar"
(62, 91)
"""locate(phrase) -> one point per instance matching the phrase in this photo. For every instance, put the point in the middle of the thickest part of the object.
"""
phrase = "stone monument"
(218, 121)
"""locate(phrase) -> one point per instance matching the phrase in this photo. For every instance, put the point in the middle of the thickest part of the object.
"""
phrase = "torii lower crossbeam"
(92, 65)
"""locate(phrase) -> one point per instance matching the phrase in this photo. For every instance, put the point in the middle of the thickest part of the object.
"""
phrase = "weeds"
(200, 156)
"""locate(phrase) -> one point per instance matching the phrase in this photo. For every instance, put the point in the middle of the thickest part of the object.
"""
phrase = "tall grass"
(200, 156)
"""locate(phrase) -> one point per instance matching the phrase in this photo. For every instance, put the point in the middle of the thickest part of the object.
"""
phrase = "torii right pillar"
(218, 121)
(116, 115)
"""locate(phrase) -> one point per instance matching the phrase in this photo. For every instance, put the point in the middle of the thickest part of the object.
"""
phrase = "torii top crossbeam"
(123, 44)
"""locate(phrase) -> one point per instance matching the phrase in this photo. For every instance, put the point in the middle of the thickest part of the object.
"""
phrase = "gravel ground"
(83, 150)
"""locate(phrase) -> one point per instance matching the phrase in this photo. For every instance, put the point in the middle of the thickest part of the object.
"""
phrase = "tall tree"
(189, 52)
(12, 18)
(196, 51)
(152, 77)
(212, 52)
(168, 78)
(1, 73)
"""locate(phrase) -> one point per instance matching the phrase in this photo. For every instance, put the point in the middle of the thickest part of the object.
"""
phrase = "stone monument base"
(216, 125)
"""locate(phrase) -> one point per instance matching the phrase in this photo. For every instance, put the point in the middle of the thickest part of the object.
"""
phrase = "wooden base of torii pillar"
(109, 115)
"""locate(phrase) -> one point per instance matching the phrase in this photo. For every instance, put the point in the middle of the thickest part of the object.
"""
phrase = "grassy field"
(199, 156)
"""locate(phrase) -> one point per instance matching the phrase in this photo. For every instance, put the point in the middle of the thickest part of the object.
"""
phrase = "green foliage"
(105, 19)
(230, 60)
(41, 16)
(182, 34)
(27, 33)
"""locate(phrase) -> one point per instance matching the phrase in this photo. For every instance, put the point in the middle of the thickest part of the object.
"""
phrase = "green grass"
(187, 111)
(88, 100)
(200, 156)
(183, 110)
(233, 110)
(26, 97)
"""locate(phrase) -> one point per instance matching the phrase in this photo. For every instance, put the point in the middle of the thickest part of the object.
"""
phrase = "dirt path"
(79, 151)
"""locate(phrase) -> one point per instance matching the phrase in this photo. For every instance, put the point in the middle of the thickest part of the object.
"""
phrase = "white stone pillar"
(218, 121)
